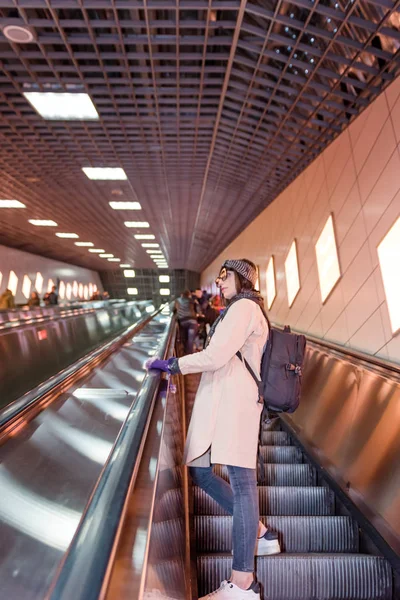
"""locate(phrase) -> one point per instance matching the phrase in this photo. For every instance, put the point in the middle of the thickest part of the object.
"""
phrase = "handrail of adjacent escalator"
(12, 410)
(23, 317)
(84, 568)
(368, 360)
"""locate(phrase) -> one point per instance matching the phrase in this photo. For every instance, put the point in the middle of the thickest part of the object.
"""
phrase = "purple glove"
(169, 366)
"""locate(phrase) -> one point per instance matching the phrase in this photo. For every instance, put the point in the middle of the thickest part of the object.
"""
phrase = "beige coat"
(226, 412)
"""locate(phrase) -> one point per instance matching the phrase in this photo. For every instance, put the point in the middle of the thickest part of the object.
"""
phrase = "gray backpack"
(281, 370)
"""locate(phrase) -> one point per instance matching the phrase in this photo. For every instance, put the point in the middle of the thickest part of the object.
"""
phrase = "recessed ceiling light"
(164, 292)
(104, 173)
(62, 106)
(18, 34)
(125, 205)
(129, 273)
(132, 291)
(43, 223)
(106, 255)
(114, 260)
(163, 267)
(137, 224)
(150, 245)
(11, 204)
(164, 279)
(97, 250)
(124, 265)
(144, 236)
(67, 235)
(84, 244)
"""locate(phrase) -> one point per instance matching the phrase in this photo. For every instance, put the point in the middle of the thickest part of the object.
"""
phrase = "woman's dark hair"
(186, 294)
(241, 282)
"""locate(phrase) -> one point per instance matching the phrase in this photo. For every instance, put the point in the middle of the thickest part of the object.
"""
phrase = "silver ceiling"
(210, 107)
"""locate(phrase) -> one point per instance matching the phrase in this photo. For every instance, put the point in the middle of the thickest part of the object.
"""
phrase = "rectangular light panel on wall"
(327, 259)
(26, 286)
(39, 283)
(292, 274)
(389, 260)
(13, 282)
(271, 286)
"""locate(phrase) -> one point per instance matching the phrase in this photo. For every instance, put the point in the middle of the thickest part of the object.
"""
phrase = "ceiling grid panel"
(210, 107)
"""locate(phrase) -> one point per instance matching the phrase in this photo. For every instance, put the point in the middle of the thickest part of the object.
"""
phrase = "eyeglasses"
(223, 274)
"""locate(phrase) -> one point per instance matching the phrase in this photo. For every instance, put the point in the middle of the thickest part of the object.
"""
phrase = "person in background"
(196, 297)
(216, 302)
(204, 301)
(51, 298)
(7, 300)
(187, 319)
(34, 299)
(96, 296)
(106, 296)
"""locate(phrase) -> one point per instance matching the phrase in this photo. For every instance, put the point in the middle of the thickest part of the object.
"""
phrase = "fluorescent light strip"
(62, 106)
(104, 173)
(114, 260)
(43, 223)
(154, 251)
(106, 255)
(137, 224)
(129, 273)
(67, 235)
(125, 205)
(132, 291)
(11, 204)
(150, 245)
(97, 250)
(84, 244)
(144, 236)
(125, 266)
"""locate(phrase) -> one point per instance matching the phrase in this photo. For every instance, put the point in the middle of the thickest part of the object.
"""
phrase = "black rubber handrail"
(85, 565)
(363, 357)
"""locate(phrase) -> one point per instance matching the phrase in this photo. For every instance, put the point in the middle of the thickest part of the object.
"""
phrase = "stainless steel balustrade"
(32, 353)
(50, 464)
(87, 565)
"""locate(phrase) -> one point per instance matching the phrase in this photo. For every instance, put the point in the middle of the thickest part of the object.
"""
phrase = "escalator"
(143, 531)
(320, 549)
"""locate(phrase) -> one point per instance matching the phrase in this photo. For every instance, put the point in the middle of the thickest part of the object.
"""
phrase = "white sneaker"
(268, 544)
(230, 591)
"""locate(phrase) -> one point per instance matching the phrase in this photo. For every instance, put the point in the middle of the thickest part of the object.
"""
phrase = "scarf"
(250, 295)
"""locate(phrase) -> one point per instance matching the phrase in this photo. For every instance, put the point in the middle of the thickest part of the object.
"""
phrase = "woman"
(34, 299)
(225, 421)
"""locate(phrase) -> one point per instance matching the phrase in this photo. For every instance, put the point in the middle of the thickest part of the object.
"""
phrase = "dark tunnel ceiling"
(211, 108)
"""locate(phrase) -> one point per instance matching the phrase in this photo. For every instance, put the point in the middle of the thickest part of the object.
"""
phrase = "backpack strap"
(258, 382)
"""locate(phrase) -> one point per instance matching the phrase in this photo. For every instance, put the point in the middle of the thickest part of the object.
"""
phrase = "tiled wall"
(357, 179)
(24, 263)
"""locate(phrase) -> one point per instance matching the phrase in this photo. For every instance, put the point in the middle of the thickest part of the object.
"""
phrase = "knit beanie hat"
(242, 267)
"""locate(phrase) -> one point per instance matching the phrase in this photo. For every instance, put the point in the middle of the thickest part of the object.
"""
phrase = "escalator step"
(275, 438)
(281, 454)
(296, 534)
(279, 474)
(278, 500)
(307, 576)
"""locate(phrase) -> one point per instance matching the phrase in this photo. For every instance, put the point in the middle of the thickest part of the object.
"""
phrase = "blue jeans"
(239, 499)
